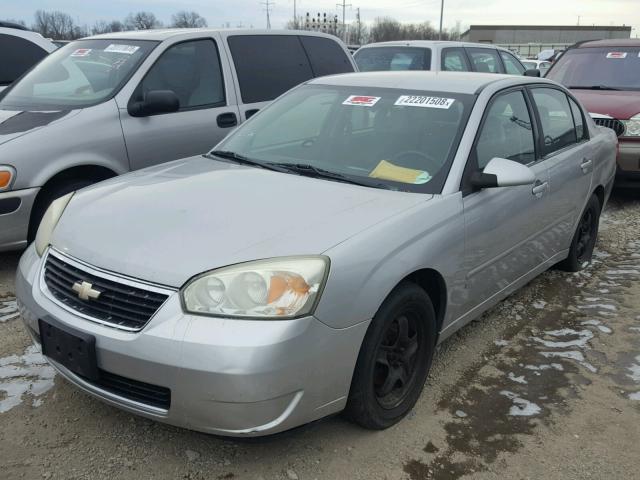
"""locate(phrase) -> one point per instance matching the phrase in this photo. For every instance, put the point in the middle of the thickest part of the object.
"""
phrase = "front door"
(194, 72)
(504, 226)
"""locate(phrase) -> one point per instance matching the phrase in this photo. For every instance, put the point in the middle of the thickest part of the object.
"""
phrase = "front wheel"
(394, 359)
(584, 238)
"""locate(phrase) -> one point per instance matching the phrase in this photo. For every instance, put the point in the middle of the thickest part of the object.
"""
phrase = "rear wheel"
(394, 359)
(584, 238)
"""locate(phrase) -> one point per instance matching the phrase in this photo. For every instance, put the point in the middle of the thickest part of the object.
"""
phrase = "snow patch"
(521, 406)
(635, 370)
(8, 310)
(501, 343)
(539, 304)
(20, 375)
(520, 379)
(581, 342)
(460, 414)
(555, 366)
(571, 355)
(635, 396)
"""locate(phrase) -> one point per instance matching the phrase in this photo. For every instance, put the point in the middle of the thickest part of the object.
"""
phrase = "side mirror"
(155, 102)
(501, 172)
(532, 72)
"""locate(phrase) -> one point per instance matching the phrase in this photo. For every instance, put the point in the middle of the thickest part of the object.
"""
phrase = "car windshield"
(386, 138)
(599, 68)
(80, 74)
(393, 58)
(529, 64)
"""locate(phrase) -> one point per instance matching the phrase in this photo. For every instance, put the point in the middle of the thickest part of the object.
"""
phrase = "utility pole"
(441, 14)
(359, 26)
(295, 16)
(267, 6)
(344, 6)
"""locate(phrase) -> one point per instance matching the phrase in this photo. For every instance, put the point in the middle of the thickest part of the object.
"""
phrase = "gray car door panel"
(198, 73)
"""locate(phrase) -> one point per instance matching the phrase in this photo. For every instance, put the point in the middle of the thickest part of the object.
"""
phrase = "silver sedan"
(313, 260)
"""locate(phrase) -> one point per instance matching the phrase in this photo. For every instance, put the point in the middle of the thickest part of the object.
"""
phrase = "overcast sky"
(251, 12)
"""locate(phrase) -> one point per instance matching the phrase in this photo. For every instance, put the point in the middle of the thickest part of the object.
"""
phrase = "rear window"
(17, 55)
(598, 68)
(393, 58)
(268, 65)
(326, 56)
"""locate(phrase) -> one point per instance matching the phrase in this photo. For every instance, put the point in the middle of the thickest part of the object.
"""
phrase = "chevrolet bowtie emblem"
(85, 291)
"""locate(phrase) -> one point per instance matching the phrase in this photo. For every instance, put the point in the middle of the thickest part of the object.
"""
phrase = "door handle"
(227, 120)
(586, 165)
(539, 188)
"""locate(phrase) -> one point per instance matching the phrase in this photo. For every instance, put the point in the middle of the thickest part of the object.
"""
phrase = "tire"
(47, 197)
(584, 238)
(379, 397)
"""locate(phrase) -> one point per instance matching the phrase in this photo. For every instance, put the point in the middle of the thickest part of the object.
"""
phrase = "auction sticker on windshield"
(422, 101)
(128, 49)
(81, 52)
(617, 55)
(361, 100)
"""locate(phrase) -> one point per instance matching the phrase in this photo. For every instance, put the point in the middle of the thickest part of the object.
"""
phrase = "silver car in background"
(313, 260)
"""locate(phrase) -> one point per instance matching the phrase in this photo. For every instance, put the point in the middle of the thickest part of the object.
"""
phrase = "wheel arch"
(433, 283)
(599, 192)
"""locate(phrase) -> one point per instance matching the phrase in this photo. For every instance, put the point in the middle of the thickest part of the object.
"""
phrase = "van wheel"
(46, 197)
(394, 359)
(584, 238)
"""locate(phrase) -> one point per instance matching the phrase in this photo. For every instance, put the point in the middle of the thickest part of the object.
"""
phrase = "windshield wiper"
(593, 87)
(316, 172)
(242, 160)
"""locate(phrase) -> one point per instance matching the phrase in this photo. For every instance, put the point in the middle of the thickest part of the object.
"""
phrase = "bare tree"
(386, 29)
(141, 21)
(57, 25)
(185, 19)
(102, 26)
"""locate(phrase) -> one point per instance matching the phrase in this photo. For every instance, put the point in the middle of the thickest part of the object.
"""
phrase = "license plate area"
(72, 349)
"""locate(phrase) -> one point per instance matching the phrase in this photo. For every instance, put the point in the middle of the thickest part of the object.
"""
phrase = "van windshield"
(78, 75)
(615, 68)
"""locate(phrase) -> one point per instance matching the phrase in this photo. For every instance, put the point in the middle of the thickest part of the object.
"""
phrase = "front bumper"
(628, 171)
(15, 213)
(228, 377)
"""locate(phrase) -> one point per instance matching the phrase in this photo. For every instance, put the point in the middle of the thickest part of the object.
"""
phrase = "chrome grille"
(119, 304)
(612, 123)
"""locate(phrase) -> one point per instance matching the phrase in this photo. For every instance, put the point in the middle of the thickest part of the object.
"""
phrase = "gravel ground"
(545, 385)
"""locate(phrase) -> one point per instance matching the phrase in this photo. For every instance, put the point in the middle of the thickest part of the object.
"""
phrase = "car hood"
(16, 123)
(617, 104)
(168, 223)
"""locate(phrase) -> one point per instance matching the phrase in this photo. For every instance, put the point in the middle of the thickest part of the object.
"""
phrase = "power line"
(267, 6)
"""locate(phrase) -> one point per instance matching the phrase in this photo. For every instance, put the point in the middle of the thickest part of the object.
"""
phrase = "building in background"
(529, 40)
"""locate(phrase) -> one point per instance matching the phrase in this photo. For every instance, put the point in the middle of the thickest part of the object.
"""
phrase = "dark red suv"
(605, 76)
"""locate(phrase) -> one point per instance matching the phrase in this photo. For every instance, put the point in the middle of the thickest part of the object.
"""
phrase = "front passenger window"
(506, 131)
(192, 71)
(556, 119)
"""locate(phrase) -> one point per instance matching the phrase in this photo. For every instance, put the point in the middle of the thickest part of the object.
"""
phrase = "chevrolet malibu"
(314, 259)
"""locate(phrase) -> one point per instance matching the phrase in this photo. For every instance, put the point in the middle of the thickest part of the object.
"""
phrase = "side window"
(578, 120)
(556, 119)
(484, 60)
(17, 55)
(326, 56)
(511, 64)
(454, 60)
(268, 65)
(191, 70)
(507, 131)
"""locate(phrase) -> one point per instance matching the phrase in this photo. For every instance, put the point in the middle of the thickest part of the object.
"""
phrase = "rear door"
(454, 59)
(566, 151)
(265, 67)
(504, 226)
(194, 71)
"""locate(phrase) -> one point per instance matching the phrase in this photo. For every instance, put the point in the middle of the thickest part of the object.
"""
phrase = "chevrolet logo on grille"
(85, 291)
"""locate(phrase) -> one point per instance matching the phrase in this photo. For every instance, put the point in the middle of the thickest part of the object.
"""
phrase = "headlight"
(49, 222)
(278, 288)
(7, 176)
(632, 126)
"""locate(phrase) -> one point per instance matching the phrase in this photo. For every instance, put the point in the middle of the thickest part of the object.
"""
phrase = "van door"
(193, 70)
(266, 66)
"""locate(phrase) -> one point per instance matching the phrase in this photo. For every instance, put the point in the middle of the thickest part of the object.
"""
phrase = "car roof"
(33, 37)
(454, 82)
(430, 44)
(160, 35)
(621, 42)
